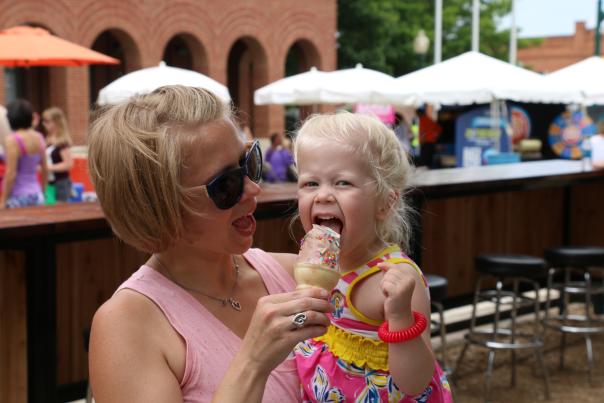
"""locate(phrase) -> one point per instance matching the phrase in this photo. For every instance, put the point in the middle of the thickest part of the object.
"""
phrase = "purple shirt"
(279, 159)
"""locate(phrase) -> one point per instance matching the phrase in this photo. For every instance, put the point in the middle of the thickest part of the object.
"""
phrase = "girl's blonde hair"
(137, 157)
(386, 160)
(57, 116)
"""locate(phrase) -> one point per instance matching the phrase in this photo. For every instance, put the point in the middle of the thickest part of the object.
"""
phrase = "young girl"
(58, 151)
(352, 175)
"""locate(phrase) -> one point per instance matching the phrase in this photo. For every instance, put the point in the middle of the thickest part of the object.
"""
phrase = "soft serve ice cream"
(318, 259)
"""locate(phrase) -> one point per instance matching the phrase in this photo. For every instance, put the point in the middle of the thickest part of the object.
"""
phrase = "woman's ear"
(388, 205)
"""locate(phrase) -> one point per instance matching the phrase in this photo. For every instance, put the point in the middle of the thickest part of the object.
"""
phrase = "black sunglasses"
(226, 189)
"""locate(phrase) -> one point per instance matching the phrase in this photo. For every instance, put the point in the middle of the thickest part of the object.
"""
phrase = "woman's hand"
(272, 335)
(269, 339)
(397, 285)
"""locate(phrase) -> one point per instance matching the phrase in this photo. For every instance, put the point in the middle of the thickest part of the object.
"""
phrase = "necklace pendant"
(234, 304)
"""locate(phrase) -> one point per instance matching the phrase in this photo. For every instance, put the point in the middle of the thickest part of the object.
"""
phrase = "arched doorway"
(117, 44)
(186, 52)
(247, 72)
(178, 54)
(301, 56)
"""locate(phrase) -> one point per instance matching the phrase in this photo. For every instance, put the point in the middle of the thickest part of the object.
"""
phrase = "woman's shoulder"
(126, 307)
(130, 321)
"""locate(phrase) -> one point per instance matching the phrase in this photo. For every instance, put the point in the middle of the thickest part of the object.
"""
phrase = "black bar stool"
(571, 261)
(518, 269)
(438, 292)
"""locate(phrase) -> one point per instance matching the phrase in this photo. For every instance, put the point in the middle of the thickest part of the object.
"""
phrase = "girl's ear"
(388, 205)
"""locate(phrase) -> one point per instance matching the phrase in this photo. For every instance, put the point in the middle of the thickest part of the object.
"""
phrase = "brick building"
(241, 43)
(559, 51)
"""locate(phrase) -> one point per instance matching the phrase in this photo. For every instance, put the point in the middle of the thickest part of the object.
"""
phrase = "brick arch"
(238, 23)
(99, 18)
(301, 28)
(310, 53)
(198, 51)
(22, 11)
(190, 19)
(247, 70)
(132, 52)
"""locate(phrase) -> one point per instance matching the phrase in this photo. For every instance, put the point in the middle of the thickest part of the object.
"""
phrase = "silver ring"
(299, 320)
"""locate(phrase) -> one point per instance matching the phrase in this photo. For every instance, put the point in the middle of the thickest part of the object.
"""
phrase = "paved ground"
(566, 385)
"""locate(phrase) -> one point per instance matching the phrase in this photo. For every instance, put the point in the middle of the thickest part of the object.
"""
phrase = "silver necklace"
(232, 301)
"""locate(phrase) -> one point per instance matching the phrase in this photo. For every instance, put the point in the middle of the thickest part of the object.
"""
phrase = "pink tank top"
(210, 345)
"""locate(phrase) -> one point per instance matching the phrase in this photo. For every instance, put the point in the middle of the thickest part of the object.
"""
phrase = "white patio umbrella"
(585, 76)
(347, 86)
(300, 89)
(474, 78)
(146, 80)
(356, 85)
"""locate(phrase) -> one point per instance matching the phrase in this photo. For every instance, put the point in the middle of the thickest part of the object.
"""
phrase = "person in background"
(58, 152)
(429, 131)
(280, 161)
(207, 317)
(24, 155)
(597, 147)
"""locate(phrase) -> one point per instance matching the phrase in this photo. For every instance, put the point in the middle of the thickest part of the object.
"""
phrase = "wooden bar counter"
(59, 263)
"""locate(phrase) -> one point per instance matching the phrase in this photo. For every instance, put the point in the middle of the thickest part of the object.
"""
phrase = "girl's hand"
(272, 335)
(397, 286)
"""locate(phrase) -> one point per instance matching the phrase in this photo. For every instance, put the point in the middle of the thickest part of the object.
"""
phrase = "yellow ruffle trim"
(358, 350)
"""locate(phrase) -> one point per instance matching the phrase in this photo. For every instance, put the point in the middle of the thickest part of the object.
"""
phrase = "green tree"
(379, 33)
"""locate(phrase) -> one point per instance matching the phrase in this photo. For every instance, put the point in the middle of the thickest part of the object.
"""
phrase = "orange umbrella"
(25, 46)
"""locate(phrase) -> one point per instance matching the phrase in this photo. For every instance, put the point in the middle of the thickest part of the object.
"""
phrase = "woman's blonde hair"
(137, 156)
(386, 160)
(57, 116)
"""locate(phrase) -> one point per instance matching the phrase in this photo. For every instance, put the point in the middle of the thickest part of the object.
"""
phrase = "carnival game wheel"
(567, 132)
(521, 124)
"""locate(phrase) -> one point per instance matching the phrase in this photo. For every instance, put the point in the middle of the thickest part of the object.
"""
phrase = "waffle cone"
(315, 275)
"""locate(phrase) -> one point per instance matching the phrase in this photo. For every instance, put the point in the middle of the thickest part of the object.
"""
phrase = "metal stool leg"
(472, 325)
(566, 302)
(488, 375)
(588, 315)
(513, 330)
(538, 336)
(443, 334)
(491, 359)
(541, 363)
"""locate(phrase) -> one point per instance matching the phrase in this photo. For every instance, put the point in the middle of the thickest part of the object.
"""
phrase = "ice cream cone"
(315, 275)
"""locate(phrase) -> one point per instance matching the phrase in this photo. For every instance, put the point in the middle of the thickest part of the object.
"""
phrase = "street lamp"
(421, 43)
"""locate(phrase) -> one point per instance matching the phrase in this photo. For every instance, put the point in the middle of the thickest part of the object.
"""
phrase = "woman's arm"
(127, 358)
(66, 161)
(11, 158)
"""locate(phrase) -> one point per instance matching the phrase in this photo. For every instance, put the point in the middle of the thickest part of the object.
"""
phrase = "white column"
(475, 24)
(513, 43)
(438, 30)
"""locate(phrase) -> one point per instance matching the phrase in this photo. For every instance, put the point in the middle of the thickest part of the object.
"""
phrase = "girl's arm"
(66, 164)
(286, 260)
(411, 362)
(12, 156)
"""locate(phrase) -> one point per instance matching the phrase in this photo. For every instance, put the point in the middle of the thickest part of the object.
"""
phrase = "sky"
(536, 18)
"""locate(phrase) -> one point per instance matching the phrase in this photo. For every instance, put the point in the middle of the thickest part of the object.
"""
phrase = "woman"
(206, 318)
(58, 151)
(24, 154)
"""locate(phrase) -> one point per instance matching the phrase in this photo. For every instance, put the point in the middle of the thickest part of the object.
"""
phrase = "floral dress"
(350, 363)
